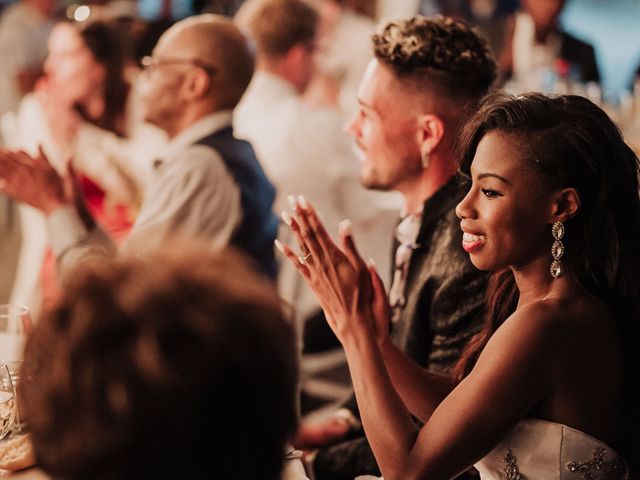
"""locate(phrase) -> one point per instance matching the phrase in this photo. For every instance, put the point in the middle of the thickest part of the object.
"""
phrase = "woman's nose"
(463, 209)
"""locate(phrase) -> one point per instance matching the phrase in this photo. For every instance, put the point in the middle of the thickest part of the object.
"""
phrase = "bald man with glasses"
(207, 185)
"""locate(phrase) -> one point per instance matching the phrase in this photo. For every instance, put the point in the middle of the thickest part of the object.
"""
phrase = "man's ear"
(294, 66)
(430, 133)
(198, 83)
(566, 204)
(295, 54)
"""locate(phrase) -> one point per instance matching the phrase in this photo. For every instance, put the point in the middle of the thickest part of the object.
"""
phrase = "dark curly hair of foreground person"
(176, 365)
(439, 52)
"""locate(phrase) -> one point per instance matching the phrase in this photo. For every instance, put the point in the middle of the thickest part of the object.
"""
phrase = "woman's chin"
(482, 264)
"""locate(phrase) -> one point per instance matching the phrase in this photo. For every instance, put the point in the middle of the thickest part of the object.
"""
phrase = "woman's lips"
(472, 242)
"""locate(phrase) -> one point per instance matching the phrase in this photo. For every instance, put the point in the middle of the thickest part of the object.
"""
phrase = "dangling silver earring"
(425, 159)
(557, 249)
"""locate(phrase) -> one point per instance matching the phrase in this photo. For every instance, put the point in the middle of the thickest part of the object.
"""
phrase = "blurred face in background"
(544, 13)
(306, 64)
(71, 70)
(46, 7)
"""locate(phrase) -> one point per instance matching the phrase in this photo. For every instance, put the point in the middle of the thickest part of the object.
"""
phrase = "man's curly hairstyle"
(444, 53)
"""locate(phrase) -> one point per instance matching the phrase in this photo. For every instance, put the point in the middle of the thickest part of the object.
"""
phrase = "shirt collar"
(408, 228)
(201, 128)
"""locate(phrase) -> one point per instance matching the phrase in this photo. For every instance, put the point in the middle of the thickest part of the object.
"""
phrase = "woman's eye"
(487, 192)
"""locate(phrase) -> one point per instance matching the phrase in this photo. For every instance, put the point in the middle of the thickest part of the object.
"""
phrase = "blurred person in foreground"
(427, 77)
(178, 365)
(206, 185)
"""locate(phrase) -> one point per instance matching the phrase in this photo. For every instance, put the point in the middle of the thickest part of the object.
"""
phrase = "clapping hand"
(33, 180)
(349, 290)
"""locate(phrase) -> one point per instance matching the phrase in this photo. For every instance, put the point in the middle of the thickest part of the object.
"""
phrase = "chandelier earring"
(557, 249)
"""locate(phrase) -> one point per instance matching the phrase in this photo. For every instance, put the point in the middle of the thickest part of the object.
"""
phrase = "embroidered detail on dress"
(598, 468)
(511, 467)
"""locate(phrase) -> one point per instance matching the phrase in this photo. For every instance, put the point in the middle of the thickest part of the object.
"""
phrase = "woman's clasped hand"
(349, 289)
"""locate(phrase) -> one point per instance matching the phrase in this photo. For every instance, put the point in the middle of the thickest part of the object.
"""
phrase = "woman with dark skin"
(548, 390)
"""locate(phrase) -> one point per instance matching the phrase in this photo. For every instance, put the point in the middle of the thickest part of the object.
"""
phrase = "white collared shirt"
(201, 128)
(190, 194)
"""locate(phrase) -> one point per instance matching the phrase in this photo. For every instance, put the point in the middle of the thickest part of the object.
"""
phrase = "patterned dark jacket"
(444, 308)
(444, 291)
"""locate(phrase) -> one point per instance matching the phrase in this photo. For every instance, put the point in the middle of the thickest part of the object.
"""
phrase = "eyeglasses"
(148, 63)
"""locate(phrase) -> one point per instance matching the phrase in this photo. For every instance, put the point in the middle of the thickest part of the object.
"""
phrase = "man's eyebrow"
(494, 175)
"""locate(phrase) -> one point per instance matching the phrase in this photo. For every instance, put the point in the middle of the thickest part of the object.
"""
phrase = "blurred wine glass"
(7, 401)
(15, 325)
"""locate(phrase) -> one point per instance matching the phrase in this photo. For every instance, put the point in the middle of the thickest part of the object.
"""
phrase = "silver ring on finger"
(303, 260)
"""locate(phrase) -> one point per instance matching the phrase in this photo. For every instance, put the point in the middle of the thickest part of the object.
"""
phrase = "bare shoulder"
(565, 312)
(547, 327)
(567, 349)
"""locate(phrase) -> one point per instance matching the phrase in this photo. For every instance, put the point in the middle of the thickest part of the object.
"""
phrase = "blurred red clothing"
(115, 219)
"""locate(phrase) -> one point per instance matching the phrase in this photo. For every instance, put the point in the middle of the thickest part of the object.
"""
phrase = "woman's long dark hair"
(573, 143)
(103, 40)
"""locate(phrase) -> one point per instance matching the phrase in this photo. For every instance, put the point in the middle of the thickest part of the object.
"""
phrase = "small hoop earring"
(426, 158)
(557, 249)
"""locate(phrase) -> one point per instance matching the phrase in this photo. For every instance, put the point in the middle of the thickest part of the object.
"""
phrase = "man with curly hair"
(427, 76)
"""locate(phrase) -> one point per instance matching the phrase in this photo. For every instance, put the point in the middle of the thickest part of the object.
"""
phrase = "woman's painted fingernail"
(286, 217)
(279, 245)
(344, 227)
(302, 202)
(293, 203)
(371, 263)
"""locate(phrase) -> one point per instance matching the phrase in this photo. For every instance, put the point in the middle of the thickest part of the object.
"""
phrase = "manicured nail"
(293, 203)
(344, 227)
(302, 202)
(371, 263)
(286, 217)
(279, 245)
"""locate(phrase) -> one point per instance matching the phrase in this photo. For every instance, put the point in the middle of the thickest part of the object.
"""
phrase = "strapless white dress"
(542, 450)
